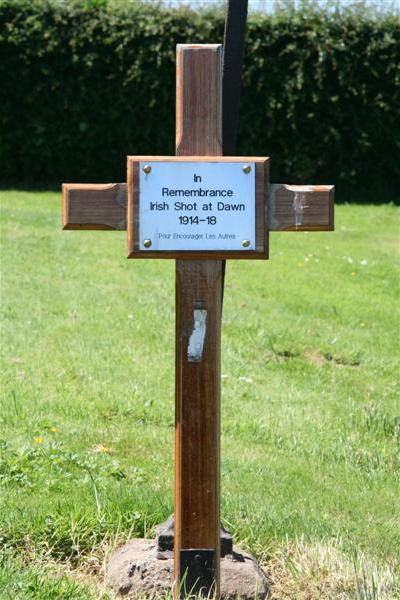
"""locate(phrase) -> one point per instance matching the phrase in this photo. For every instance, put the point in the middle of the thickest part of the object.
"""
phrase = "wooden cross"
(199, 288)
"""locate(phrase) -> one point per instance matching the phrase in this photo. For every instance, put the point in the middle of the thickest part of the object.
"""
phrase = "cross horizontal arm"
(301, 207)
(94, 206)
(290, 207)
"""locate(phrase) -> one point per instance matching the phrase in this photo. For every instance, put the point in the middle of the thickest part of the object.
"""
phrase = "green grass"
(310, 404)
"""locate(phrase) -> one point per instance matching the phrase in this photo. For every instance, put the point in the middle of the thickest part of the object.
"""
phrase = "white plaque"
(197, 206)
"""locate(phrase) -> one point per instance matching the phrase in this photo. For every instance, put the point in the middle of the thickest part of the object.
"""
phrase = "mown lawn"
(310, 404)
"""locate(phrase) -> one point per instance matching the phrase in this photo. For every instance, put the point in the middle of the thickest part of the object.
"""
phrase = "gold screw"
(246, 243)
(246, 169)
(147, 243)
(147, 169)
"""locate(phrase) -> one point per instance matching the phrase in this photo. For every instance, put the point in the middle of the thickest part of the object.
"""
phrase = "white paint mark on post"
(196, 341)
(299, 202)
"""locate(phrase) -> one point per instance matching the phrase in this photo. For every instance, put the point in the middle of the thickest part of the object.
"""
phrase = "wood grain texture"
(301, 207)
(92, 206)
(199, 99)
(261, 184)
(198, 286)
(132, 213)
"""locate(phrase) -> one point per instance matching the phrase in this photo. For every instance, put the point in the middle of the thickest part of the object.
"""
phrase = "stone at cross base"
(145, 567)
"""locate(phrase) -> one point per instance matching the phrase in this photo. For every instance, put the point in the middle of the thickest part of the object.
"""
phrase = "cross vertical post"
(198, 355)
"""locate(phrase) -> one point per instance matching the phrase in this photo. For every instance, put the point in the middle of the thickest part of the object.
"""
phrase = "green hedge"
(84, 83)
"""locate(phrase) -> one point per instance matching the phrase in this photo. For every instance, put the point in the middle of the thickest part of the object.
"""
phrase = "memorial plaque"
(197, 207)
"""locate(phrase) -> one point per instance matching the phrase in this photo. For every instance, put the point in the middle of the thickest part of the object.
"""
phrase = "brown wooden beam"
(94, 206)
(301, 207)
(290, 207)
(198, 356)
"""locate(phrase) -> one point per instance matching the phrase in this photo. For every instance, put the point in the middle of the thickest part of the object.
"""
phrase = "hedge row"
(84, 83)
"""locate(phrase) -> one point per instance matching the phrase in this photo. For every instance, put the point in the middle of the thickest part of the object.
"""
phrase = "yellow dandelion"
(38, 440)
(101, 449)
(54, 429)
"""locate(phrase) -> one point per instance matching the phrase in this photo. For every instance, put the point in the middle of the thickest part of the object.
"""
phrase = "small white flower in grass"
(130, 316)
(246, 379)
(364, 262)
